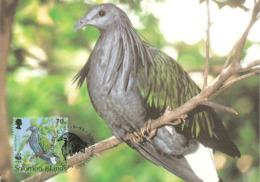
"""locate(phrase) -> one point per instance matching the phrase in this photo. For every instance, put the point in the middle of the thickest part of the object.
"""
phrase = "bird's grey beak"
(28, 129)
(81, 23)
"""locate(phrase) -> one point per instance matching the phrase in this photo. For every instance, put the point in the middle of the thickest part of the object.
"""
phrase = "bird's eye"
(101, 13)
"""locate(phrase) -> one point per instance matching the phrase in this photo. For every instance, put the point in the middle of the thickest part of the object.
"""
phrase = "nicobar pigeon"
(129, 82)
(72, 144)
(37, 149)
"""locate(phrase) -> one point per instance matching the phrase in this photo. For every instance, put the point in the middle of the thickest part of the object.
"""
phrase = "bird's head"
(103, 16)
(32, 128)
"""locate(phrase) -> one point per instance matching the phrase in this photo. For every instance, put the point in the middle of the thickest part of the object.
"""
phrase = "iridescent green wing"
(45, 143)
(167, 84)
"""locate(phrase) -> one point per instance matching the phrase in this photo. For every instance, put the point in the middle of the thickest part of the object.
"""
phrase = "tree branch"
(245, 34)
(206, 69)
(220, 107)
(251, 65)
(7, 11)
(240, 44)
(201, 99)
(229, 83)
(80, 157)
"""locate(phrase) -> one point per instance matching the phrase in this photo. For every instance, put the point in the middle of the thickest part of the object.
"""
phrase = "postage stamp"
(36, 145)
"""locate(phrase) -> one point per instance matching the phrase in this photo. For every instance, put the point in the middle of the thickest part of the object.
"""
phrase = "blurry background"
(46, 54)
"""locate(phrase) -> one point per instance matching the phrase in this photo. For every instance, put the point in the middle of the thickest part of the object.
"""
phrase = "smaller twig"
(231, 53)
(243, 39)
(252, 67)
(238, 47)
(98, 155)
(220, 107)
(206, 69)
(229, 83)
(252, 64)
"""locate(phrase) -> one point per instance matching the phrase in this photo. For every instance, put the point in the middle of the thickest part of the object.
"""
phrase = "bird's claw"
(135, 137)
(147, 132)
(180, 120)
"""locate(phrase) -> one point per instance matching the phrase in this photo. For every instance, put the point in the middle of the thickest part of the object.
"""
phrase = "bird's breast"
(34, 143)
(122, 109)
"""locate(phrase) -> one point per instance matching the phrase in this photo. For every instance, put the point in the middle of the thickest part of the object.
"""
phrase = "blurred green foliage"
(45, 56)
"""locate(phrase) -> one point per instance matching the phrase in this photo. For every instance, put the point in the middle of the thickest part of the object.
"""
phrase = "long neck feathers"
(125, 53)
(34, 136)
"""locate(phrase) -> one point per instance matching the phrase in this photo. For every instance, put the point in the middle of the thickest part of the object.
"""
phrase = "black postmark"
(77, 140)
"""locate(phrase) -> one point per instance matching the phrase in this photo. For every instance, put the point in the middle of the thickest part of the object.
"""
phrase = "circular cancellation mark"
(76, 140)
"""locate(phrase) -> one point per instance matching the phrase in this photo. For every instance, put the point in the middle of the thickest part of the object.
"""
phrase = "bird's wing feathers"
(167, 84)
(81, 76)
(45, 143)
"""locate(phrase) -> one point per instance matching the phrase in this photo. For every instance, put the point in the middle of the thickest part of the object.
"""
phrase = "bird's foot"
(147, 132)
(135, 137)
(180, 120)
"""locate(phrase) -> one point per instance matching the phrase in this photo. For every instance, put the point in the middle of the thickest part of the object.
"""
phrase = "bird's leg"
(39, 153)
(146, 131)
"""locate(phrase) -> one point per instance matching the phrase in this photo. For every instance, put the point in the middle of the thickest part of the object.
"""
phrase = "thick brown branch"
(80, 157)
